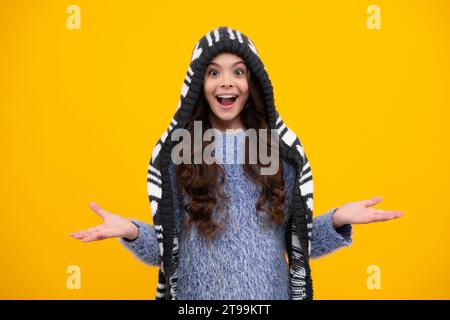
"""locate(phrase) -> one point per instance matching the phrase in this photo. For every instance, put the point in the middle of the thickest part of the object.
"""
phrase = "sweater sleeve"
(325, 238)
(145, 246)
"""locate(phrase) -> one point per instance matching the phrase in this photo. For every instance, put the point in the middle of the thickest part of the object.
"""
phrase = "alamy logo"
(73, 21)
(213, 152)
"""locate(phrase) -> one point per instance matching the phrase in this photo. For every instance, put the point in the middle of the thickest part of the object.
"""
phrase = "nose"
(227, 81)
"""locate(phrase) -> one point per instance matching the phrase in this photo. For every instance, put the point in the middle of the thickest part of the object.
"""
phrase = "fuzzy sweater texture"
(247, 260)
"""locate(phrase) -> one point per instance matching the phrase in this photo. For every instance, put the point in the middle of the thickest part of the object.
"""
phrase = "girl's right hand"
(112, 226)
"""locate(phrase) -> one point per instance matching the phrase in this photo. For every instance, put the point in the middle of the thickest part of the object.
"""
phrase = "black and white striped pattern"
(305, 185)
(158, 184)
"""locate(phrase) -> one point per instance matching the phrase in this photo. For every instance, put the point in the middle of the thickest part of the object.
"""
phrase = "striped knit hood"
(299, 226)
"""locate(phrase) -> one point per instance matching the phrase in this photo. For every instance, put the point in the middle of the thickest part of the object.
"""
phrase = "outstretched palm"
(113, 226)
(359, 212)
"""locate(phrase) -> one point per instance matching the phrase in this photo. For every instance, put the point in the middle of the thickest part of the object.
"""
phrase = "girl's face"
(225, 87)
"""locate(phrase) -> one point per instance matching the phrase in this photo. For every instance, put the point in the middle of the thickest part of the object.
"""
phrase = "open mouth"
(226, 100)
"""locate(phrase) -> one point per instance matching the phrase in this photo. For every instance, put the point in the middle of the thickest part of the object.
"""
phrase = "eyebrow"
(236, 63)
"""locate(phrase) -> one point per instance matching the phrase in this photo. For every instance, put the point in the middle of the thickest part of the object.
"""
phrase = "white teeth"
(226, 96)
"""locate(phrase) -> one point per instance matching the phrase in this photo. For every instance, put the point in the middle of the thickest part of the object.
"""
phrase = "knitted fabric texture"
(298, 228)
(247, 261)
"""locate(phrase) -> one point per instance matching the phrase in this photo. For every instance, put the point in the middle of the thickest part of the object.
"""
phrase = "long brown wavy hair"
(203, 182)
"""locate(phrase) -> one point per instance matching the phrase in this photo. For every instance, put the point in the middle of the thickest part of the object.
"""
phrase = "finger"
(393, 213)
(93, 229)
(382, 218)
(97, 235)
(82, 233)
(97, 209)
(93, 236)
(396, 214)
(372, 201)
(78, 234)
(383, 215)
(89, 238)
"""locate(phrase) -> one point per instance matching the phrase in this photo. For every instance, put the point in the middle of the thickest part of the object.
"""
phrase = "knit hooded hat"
(299, 225)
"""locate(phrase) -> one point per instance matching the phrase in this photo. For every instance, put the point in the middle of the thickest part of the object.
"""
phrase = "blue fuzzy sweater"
(248, 259)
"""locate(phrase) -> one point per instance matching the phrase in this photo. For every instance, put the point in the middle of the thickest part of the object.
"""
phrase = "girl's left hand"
(359, 212)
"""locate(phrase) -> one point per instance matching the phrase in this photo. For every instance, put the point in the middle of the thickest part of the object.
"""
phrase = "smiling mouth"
(226, 100)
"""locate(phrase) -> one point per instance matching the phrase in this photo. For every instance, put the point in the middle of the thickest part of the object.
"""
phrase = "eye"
(240, 72)
(212, 72)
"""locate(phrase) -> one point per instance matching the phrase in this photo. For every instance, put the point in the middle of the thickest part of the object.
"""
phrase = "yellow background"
(82, 109)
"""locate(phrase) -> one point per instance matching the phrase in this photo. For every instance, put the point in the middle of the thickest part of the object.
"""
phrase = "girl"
(222, 230)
